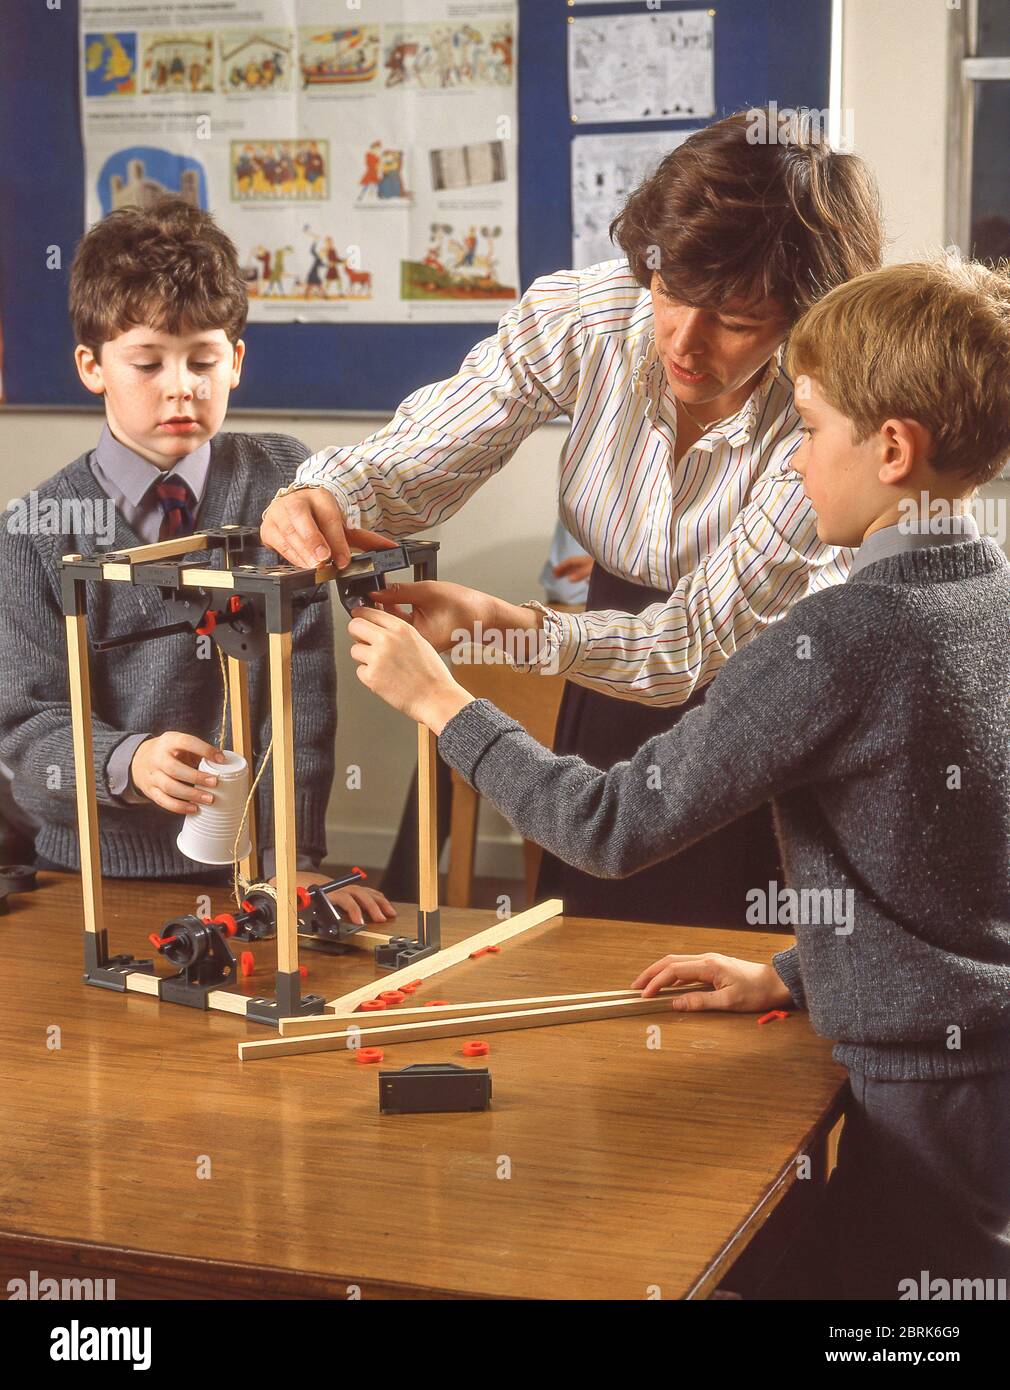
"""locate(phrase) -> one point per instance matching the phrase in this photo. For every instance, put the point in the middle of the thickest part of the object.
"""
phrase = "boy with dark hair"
(158, 306)
(876, 715)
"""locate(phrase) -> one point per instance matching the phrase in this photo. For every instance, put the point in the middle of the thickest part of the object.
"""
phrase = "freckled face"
(709, 354)
(165, 393)
(839, 476)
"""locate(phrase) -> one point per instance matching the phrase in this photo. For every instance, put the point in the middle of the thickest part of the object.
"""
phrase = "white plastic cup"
(209, 836)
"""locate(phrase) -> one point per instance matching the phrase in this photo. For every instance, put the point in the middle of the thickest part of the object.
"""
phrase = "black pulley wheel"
(17, 878)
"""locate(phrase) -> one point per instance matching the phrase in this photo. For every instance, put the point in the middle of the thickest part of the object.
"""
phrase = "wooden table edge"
(187, 1276)
(816, 1138)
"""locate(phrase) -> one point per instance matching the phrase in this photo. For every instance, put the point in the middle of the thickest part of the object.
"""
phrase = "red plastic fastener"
(370, 1005)
(369, 1054)
(226, 920)
(775, 1013)
(356, 870)
(160, 941)
(412, 984)
(393, 996)
(303, 896)
(248, 962)
(303, 970)
(408, 989)
(476, 1049)
(209, 624)
(234, 603)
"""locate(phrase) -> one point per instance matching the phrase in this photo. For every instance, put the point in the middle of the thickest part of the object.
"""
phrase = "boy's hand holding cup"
(165, 769)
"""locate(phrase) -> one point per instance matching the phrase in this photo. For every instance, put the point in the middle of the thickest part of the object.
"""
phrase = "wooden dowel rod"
(452, 1027)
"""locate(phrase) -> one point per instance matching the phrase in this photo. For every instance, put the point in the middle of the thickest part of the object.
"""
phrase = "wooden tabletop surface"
(605, 1169)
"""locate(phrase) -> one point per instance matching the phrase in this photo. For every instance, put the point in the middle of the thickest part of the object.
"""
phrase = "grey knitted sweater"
(876, 716)
(152, 687)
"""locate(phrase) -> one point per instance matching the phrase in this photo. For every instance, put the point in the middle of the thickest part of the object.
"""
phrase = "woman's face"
(708, 354)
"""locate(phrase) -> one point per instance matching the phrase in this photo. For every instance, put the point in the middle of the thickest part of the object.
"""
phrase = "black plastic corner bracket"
(400, 951)
(290, 1002)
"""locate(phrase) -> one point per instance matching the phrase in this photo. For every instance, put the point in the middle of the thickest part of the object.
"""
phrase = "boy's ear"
(236, 364)
(89, 369)
(906, 445)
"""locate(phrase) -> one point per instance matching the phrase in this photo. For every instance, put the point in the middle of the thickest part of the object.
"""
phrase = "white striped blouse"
(726, 531)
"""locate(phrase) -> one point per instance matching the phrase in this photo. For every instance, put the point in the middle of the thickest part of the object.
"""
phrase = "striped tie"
(177, 507)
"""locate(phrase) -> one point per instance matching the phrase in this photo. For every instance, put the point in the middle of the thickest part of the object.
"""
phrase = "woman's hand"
(307, 528)
(738, 985)
(444, 614)
(398, 665)
(164, 769)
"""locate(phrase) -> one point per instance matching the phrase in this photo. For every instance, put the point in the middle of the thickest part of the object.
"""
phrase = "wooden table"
(605, 1169)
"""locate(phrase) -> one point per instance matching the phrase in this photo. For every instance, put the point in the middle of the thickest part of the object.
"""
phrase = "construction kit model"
(247, 611)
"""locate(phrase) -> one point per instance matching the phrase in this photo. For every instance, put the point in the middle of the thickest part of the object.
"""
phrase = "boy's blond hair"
(928, 341)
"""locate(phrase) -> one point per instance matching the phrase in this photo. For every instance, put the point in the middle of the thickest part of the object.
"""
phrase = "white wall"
(893, 74)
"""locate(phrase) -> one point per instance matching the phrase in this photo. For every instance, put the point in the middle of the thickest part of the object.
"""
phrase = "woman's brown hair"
(753, 207)
(169, 266)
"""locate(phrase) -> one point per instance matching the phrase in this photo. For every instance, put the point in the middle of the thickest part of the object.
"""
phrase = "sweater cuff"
(786, 965)
(469, 734)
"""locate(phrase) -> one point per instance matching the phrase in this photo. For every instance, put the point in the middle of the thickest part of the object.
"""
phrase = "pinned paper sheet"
(605, 169)
(642, 67)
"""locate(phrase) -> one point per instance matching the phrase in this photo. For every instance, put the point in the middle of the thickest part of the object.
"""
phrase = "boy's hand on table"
(352, 901)
(307, 528)
(164, 769)
(398, 665)
(740, 986)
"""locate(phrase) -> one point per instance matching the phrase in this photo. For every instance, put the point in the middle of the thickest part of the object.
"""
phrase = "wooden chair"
(533, 701)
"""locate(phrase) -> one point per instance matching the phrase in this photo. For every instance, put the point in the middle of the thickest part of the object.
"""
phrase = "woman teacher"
(674, 476)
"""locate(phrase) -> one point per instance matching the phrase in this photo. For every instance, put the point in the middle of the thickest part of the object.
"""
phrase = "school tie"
(177, 505)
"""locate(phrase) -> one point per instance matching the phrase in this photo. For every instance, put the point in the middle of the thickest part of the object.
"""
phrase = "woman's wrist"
(511, 617)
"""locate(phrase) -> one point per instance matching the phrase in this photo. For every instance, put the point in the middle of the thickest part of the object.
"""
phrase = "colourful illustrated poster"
(364, 162)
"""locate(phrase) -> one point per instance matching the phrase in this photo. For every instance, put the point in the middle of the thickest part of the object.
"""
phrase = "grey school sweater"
(152, 687)
(876, 715)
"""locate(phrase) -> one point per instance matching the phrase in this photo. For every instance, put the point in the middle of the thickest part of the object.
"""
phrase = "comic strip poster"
(363, 158)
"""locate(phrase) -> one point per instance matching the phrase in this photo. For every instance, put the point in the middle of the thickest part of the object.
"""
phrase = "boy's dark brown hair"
(168, 266)
(752, 207)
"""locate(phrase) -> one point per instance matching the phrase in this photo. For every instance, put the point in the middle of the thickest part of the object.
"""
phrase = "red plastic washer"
(370, 1005)
(369, 1054)
(476, 1049)
(248, 962)
(393, 996)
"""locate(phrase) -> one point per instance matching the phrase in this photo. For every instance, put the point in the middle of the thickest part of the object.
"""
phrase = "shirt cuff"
(118, 770)
(560, 644)
(351, 511)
